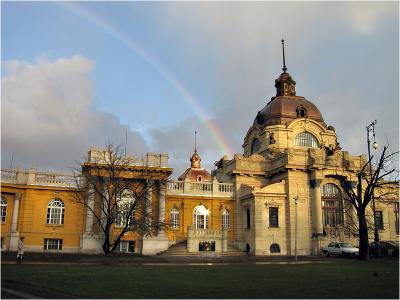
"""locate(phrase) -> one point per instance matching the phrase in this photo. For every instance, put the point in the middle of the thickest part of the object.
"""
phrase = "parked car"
(340, 248)
(385, 248)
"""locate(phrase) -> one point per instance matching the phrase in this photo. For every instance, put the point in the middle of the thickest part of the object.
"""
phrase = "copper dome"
(286, 106)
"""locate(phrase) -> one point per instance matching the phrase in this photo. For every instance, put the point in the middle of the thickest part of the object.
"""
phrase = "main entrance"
(207, 246)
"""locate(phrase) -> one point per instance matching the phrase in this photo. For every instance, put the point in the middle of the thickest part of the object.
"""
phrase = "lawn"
(347, 279)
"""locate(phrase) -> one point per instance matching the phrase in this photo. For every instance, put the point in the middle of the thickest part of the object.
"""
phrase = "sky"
(77, 75)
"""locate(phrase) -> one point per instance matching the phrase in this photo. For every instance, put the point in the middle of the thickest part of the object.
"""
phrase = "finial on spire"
(195, 142)
(284, 69)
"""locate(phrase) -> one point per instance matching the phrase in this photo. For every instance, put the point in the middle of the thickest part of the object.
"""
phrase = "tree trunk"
(363, 236)
(106, 245)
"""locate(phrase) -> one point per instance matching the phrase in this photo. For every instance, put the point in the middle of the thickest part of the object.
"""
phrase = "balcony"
(213, 189)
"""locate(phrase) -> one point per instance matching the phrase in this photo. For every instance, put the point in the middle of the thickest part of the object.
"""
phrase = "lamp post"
(296, 201)
(371, 128)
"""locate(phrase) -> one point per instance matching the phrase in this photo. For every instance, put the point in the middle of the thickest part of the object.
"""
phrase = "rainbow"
(106, 26)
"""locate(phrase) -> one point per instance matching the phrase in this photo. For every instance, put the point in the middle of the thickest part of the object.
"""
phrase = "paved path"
(7, 293)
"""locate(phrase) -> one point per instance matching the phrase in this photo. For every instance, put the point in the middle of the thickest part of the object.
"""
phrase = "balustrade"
(200, 188)
(9, 175)
(55, 179)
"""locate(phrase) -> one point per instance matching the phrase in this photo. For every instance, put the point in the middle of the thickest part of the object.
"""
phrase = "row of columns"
(149, 199)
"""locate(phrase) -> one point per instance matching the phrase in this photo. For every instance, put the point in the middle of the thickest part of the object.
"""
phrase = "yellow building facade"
(281, 196)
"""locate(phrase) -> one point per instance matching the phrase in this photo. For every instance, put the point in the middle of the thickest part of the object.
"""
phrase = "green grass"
(329, 280)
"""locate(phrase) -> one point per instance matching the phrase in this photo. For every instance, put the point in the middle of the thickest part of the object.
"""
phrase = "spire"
(195, 144)
(285, 85)
(284, 69)
(195, 159)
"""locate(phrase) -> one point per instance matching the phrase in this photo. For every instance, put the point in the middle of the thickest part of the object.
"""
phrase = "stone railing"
(31, 177)
(213, 188)
(9, 176)
(102, 156)
(55, 179)
(197, 236)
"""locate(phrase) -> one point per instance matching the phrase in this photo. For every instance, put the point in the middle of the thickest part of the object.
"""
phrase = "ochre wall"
(32, 217)
(187, 204)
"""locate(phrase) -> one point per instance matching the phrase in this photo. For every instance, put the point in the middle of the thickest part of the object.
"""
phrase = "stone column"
(149, 199)
(161, 208)
(316, 207)
(90, 242)
(89, 212)
(14, 234)
(155, 244)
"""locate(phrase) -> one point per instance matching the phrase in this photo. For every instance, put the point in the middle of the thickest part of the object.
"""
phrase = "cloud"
(178, 141)
(48, 115)
(344, 57)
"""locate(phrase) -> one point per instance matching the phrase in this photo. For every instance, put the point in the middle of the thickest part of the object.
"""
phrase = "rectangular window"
(174, 220)
(248, 217)
(127, 246)
(3, 213)
(52, 244)
(226, 222)
(379, 220)
(396, 214)
(273, 217)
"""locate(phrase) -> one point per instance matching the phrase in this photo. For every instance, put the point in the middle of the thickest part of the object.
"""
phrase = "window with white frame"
(306, 139)
(127, 246)
(52, 244)
(125, 209)
(55, 212)
(174, 218)
(226, 219)
(3, 209)
(200, 217)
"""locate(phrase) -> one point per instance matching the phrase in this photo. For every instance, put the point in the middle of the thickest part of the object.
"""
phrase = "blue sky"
(71, 78)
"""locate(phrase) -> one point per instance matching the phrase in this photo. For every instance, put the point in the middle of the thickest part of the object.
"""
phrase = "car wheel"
(327, 254)
(343, 254)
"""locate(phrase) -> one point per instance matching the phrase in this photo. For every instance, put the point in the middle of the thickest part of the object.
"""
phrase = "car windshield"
(346, 245)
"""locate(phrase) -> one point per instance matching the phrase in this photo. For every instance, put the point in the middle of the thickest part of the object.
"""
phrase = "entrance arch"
(200, 217)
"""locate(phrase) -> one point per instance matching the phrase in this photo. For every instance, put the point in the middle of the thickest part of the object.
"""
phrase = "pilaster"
(14, 234)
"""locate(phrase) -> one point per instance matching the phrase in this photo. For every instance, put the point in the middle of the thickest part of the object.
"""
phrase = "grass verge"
(350, 279)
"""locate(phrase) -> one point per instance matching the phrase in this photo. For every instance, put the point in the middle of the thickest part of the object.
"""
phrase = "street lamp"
(296, 201)
(371, 128)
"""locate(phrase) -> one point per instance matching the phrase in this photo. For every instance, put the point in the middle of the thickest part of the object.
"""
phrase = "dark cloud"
(48, 118)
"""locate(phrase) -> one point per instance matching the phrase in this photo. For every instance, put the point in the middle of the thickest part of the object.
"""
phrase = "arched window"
(255, 146)
(226, 219)
(125, 209)
(306, 139)
(3, 209)
(174, 218)
(274, 248)
(55, 212)
(332, 209)
(200, 217)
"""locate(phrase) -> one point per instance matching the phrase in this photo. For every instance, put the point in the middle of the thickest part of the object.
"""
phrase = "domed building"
(287, 181)
(281, 196)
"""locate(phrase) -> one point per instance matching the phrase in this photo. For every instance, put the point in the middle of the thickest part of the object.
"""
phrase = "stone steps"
(181, 250)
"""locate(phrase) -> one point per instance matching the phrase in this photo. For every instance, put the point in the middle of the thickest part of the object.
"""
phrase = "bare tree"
(380, 182)
(117, 194)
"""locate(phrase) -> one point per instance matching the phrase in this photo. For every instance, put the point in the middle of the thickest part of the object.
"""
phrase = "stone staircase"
(180, 249)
